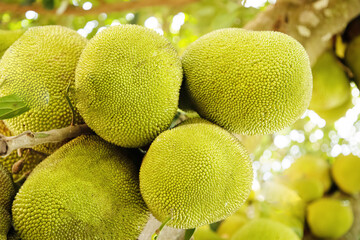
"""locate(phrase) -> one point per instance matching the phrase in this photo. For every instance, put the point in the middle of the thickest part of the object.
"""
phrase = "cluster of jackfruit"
(125, 84)
(311, 196)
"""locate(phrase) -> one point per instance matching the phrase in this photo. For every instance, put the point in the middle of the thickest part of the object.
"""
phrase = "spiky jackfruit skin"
(32, 158)
(7, 189)
(265, 229)
(8, 37)
(87, 189)
(38, 68)
(249, 82)
(127, 84)
(196, 173)
(5, 223)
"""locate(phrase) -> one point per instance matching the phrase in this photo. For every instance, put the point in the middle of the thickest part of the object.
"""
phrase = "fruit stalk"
(30, 139)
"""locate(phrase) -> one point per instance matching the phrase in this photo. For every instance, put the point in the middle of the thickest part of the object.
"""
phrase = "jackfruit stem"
(157, 232)
(30, 139)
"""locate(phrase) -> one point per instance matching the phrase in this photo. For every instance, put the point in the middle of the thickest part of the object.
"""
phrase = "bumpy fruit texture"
(32, 158)
(331, 87)
(5, 223)
(309, 167)
(265, 229)
(7, 189)
(127, 84)
(329, 218)
(87, 189)
(8, 37)
(249, 82)
(346, 173)
(38, 68)
(352, 58)
(196, 173)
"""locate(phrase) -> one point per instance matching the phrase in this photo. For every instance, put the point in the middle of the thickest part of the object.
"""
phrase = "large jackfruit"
(30, 158)
(127, 84)
(8, 37)
(195, 174)
(352, 58)
(249, 82)
(87, 189)
(38, 68)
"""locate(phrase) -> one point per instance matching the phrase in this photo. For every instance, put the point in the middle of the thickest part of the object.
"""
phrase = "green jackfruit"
(345, 171)
(5, 223)
(8, 37)
(329, 218)
(7, 189)
(38, 68)
(352, 58)
(31, 158)
(265, 229)
(87, 189)
(195, 174)
(127, 84)
(249, 82)
(331, 86)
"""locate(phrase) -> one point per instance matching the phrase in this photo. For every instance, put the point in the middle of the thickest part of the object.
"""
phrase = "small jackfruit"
(352, 58)
(87, 189)
(8, 37)
(249, 82)
(265, 229)
(345, 171)
(333, 114)
(7, 189)
(5, 223)
(329, 218)
(31, 158)
(331, 87)
(39, 67)
(195, 174)
(309, 167)
(127, 84)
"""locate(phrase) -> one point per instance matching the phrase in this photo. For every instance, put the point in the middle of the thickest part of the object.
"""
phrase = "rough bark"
(312, 23)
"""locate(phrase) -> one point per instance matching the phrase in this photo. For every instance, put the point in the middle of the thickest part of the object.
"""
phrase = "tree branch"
(29, 139)
(312, 23)
(102, 8)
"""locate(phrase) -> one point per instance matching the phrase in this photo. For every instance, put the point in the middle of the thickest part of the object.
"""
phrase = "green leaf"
(12, 106)
(189, 233)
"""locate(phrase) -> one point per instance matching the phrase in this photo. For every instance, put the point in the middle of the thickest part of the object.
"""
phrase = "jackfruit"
(309, 167)
(331, 87)
(334, 114)
(249, 82)
(5, 223)
(195, 174)
(87, 189)
(38, 68)
(127, 84)
(8, 37)
(352, 58)
(31, 158)
(345, 171)
(329, 218)
(7, 193)
(205, 233)
(7, 189)
(265, 229)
